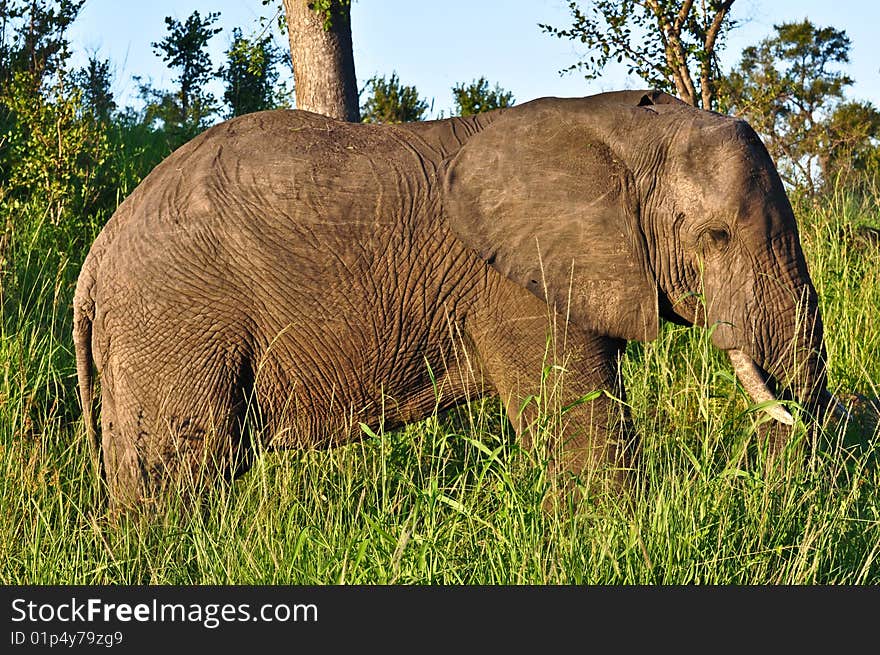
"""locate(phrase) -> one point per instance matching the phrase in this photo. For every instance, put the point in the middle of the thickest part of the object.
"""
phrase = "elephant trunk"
(795, 370)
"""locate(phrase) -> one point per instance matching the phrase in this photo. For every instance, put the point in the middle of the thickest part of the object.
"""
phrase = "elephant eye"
(716, 238)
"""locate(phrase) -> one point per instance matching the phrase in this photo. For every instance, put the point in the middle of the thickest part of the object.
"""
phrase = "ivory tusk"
(753, 382)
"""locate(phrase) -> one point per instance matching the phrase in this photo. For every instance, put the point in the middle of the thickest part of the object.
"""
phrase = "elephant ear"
(546, 203)
(655, 97)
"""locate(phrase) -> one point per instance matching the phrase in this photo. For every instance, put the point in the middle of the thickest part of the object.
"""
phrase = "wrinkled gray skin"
(314, 270)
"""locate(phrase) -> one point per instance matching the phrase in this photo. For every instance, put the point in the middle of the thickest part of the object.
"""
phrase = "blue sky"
(434, 44)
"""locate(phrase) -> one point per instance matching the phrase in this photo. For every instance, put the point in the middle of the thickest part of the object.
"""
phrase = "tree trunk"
(323, 63)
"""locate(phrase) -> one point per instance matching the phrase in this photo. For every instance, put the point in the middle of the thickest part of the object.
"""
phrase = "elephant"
(285, 278)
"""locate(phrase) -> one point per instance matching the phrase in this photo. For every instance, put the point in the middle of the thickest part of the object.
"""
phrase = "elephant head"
(626, 207)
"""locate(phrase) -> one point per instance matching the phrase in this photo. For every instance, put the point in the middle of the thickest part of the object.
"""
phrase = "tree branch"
(682, 15)
(715, 27)
(709, 50)
(676, 58)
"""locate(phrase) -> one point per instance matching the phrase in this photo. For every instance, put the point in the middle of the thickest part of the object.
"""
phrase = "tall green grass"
(453, 499)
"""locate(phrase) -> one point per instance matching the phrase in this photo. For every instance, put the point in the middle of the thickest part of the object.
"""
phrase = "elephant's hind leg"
(171, 434)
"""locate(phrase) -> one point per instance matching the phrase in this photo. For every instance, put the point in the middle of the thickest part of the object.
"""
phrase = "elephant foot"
(597, 475)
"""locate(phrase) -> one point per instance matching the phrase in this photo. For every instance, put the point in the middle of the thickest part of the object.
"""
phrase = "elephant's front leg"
(561, 385)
